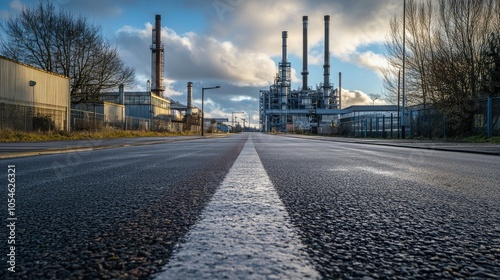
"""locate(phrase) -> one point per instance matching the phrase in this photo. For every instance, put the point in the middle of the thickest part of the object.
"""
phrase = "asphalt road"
(340, 210)
(389, 212)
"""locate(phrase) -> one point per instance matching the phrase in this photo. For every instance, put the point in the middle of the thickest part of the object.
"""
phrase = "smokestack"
(326, 82)
(157, 58)
(340, 90)
(284, 56)
(284, 72)
(189, 98)
(121, 92)
(305, 72)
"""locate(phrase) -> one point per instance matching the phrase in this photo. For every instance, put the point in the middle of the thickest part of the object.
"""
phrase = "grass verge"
(482, 139)
(10, 136)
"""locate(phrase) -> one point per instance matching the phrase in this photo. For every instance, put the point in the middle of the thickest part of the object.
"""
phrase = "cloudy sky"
(237, 44)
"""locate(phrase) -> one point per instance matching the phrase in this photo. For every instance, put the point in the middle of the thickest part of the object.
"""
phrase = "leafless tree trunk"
(64, 44)
(446, 61)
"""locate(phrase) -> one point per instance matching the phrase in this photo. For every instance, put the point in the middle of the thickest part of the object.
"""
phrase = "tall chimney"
(189, 98)
(305, 72)
(340, 91)
(326, 75)
(157, 58)
(121, 92)
(284, 65)
(284, 56)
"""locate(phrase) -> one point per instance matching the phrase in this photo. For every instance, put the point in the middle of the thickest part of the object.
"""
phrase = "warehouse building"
(32, 99)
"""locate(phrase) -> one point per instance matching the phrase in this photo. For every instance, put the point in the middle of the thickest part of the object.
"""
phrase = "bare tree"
(57, 41)
(447, 60)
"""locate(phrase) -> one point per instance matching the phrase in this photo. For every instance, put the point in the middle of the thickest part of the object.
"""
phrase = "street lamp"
(202, 107)
(33, 84)
(403, 120)
(374, 100)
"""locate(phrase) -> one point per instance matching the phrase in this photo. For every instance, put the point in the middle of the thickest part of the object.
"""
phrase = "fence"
(86, 120)
(487, 117)
(37, 117)
(428, 123)
(375, 125)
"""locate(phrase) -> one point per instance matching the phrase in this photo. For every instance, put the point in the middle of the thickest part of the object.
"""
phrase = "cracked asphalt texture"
(361, 211)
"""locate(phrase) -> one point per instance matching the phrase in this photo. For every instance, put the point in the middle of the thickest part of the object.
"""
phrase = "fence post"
(366, 126)
(411, 123)
(371, 127)
(377, 126)
(391, 124)
(444, 126)
(383, 126)
(489, 117)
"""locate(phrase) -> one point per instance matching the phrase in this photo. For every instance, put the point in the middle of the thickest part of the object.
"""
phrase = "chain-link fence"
(420, 122)
(487, 117)
(86, 120)
(371, 125)
(37, 117)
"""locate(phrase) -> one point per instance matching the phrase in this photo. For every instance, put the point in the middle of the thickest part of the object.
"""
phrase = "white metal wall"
(51, 90)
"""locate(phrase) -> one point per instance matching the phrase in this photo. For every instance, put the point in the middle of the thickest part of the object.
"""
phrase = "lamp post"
(202, 107)
(374, 100)
(33, 84)
(403, 120)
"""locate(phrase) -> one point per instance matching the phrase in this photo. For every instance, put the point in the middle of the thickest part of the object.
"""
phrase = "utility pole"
(233, 119)
(399, 100)
(403, 121)
(244, 122)
(202, 109)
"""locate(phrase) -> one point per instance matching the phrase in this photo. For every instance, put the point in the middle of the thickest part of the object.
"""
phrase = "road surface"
(252, 206)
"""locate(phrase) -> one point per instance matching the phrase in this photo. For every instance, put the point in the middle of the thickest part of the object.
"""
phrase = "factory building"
(307, 109)
(31, 98)
(153, 110)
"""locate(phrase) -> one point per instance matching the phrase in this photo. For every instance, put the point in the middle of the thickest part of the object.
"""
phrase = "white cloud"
(357, 97)
(370, 60)
(242, 98)
(170, 90)
(197, 57)
(257, 25)
(16, 5)
(4, 14)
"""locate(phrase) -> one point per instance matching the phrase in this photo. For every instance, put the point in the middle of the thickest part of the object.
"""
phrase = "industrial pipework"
(308, 109)
(157, 57)
(305, 72)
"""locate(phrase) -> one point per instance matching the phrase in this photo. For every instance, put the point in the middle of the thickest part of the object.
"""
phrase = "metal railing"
(86, 120)
(426, 123)
(37, 117)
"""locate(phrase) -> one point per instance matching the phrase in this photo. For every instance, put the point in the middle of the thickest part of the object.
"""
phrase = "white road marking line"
(244, 232)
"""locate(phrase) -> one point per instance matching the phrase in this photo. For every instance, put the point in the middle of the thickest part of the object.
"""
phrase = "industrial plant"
(150, 109)
(308, 109)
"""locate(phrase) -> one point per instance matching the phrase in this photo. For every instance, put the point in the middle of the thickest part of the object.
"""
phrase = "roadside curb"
(96, 148)
(432, 146)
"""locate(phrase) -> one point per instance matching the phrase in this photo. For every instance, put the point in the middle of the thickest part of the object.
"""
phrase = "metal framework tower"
(311, 109)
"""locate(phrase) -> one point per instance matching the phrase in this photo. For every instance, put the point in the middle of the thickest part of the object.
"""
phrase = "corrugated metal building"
(31, 98)
(140, 104)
